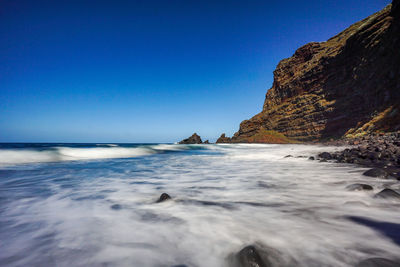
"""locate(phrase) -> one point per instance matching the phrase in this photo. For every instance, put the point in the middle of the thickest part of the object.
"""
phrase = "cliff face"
(348, 85)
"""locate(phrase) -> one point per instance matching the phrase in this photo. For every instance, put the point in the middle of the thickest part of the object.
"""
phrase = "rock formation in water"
(223, 139)
(194, 139)
(344, 87)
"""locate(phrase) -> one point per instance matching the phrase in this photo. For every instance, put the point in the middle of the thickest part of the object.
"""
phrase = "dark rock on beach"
(258, 255)
(381, 152)
(116, 207)
(249, 257)
(163, 197)
(325, 155)
(376, 172)
(388, 194)
(378, 262)
(359, 187)
(194, 139)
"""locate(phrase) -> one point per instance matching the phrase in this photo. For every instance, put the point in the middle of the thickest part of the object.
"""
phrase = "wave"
(56, 154)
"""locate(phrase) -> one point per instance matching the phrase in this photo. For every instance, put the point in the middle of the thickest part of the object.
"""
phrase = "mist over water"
(94, 205)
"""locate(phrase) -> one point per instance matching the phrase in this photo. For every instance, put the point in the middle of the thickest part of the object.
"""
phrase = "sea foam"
(224, 197)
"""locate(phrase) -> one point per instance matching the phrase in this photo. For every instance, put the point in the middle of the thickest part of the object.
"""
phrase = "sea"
(96, 205)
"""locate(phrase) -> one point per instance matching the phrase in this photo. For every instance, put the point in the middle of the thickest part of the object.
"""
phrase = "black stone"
(311, 158)
(325, 155)
(116, 207)
(359, 187)
(249, 257)
(259, 255)
(163, 197)
(388, 194)
(378, 262)
(376, 172)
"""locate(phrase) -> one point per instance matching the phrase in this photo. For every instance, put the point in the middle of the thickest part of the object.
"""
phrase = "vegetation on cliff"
(346, 86)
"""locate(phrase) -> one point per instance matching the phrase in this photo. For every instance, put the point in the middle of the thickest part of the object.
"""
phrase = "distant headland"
(346, 87)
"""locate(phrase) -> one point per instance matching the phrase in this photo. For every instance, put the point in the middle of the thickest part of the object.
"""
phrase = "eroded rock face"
(194, 139)
(347, 85)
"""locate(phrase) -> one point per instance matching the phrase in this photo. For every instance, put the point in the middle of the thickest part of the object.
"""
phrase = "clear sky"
(149, 71)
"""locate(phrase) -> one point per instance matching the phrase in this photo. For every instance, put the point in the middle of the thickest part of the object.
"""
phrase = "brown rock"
(347, 85)
(223, 139)
(194, 139)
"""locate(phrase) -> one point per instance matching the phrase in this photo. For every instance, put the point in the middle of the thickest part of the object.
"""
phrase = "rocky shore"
(380, 151)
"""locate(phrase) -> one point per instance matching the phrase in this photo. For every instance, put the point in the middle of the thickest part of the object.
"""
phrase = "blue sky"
(149, 71)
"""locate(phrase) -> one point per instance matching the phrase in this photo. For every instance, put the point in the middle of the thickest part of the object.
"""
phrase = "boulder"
(376, 172)
(259, 255)
(163, 197)
(359, 187)
(194, 139)
(325, 155)
(249, 257)
(388, 194)
(116, 207)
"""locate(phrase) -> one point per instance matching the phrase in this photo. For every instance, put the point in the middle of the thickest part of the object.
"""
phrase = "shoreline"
(377, 151)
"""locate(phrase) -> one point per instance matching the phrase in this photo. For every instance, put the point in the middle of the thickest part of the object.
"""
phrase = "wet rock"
(116, 207)
(206, 142)
(378, 262)
(258, 255)
(163, 197)
(288, 156)
(311, 158)
(249, 257)
(359, 187)
(194, 139)
(325, 155)
(376, 172)
(356, 203)
(388, 194)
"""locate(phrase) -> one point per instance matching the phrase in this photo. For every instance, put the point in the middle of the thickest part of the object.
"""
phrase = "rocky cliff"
(346, 86)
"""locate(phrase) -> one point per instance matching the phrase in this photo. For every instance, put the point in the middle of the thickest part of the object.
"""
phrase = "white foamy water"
(55, 154)
(103, 212)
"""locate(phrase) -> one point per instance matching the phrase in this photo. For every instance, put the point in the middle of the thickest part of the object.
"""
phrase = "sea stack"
(194, 139)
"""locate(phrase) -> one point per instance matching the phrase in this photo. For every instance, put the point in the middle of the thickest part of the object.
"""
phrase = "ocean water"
(94, 205)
